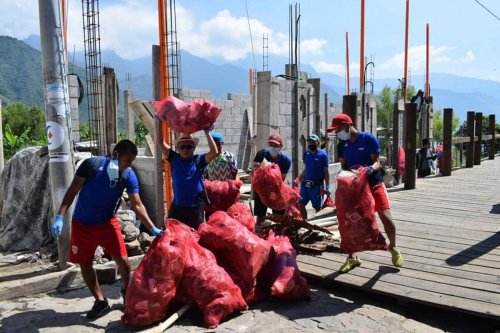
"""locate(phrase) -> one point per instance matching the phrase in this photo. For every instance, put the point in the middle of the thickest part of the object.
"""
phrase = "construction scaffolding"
(173, 52)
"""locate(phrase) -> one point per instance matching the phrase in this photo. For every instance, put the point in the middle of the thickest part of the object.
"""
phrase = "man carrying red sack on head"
(272, 154)
(363, 149)
(188, 203)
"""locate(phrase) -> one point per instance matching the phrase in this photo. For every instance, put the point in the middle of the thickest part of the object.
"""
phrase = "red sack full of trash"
(221, 194)
(209, 285)
(245, 251)
(186, 118)
(293, 209)
(356, 213)
(155, 281)
(269, 185)
(242, 213)
(283, 272)
(328, 202)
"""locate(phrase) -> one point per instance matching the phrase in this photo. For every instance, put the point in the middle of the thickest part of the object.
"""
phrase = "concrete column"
(395, 141)
(410, 145)
(469, 158)
(129, 116)
(350, 107)
(479, 133)
(110, 108)
(491, 146)
(74, 94)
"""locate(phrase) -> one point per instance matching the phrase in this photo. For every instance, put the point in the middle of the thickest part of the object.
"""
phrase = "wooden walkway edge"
(448, 230)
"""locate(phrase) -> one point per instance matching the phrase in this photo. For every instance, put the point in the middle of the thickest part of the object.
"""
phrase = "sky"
(463, 34)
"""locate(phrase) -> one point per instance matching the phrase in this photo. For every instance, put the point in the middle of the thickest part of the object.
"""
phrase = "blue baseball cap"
(313, 137)
(217, 137)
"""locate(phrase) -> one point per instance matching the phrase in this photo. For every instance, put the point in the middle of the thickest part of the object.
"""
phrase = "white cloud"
(324, 67)
(416, 59)
(19, 19)
(469, 57)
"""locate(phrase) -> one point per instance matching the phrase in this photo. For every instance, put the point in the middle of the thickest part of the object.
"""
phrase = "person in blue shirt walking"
(99, 183)
(188, 203)
(272, 154)
(313, 176)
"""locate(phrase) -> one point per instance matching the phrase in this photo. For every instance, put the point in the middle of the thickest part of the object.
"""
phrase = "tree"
(21, 117)
(385, 106)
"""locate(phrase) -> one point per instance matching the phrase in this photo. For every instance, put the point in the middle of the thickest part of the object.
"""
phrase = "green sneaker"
(397, 258)
(349, 264)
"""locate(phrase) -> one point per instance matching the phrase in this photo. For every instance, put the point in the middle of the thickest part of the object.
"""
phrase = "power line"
(489, 11)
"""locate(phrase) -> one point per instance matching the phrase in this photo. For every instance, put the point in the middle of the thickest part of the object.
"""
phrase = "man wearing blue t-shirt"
(188, 203)
(99, 183)
(272, 154)
(312, 177)
(362, 149)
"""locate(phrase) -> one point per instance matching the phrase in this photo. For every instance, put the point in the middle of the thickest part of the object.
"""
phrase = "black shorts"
(259, 209)
(191, 216)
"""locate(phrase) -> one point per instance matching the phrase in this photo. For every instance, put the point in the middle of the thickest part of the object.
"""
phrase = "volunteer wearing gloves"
(312, 177)
(362, 149)
(188, 204)
(100, 182)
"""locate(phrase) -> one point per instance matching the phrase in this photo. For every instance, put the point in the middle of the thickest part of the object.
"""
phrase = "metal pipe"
(348, 83)
(58, 114)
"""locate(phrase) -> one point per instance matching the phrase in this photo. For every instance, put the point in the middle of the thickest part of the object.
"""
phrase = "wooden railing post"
(410, 144)
(479, 133)
(469, 158)
(395, 141)
(447, 134)
(491, 146)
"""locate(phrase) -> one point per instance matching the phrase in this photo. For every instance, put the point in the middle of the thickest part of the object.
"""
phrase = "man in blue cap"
(312, 177)
(224, 166)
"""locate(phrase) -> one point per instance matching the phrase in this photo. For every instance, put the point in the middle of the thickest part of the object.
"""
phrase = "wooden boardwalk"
(448, 230)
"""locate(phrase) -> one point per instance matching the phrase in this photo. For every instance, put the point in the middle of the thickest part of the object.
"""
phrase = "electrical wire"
(250, 30)
(489, 11)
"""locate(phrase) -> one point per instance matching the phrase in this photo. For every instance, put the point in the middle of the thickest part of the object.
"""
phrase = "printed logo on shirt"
(361, 148)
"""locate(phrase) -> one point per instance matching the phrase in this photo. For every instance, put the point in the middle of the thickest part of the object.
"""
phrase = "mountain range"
(22, 59)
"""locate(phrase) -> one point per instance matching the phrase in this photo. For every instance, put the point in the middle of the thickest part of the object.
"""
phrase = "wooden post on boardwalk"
(469, 158)
(491, 146)
(447, 134)
(479, 134)
(410, 145)
(395, 142)
(349, 107)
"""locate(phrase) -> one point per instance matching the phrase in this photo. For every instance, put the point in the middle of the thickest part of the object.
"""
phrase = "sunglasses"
(186, 147)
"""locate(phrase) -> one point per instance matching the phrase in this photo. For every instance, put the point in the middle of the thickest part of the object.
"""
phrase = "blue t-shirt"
(358, 153)
(315, 163)
(283, 161)
(187, 178)
(98, 199)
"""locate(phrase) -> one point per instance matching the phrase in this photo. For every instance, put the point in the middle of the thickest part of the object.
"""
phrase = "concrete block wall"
(74, 93)
(232, 122)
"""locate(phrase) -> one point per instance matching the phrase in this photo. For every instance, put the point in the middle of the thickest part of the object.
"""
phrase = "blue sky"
(463, 35)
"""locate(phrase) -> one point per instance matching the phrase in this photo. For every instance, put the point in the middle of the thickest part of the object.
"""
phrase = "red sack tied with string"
(242, 213)
(356, 213)
(182, 117)
(269, 185)
(221, 194)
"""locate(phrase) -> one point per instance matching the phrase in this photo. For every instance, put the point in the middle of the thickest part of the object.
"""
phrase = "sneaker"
(397, 258)
(99, 309)
(349, 264)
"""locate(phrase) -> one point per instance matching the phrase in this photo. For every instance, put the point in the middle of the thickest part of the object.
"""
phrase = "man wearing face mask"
(188, 204)
(363, 149)
(272, 154)
(312, 177)
(99, 183)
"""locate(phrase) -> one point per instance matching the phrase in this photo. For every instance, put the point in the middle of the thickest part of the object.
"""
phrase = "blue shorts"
(312, 194)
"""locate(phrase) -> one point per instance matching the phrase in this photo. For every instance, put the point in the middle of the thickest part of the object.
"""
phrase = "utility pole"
(57, 112)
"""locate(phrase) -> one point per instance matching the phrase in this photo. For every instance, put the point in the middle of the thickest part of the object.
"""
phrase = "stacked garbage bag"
(221, 268)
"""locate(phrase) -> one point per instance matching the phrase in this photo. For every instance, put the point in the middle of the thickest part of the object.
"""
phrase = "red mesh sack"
(283, 272)
(209, 285)
(328, 200)
(245, 251)
(186, 118)
(402, 157)
(221, 194)
(242, 213)
(269, 185)
(293, 209)
(155, 281)
(356, 213)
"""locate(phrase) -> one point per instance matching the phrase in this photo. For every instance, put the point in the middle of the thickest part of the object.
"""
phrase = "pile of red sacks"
(182, 117)
(222, 267)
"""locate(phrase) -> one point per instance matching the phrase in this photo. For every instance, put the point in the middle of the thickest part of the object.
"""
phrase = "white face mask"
(344, 136)
(113, 171)
(274, 151)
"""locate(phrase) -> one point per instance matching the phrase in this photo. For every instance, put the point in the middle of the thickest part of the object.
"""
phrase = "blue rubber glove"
(156, 232)
(57, 226)
(209, 129)
(370, 170)
(327, 189)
